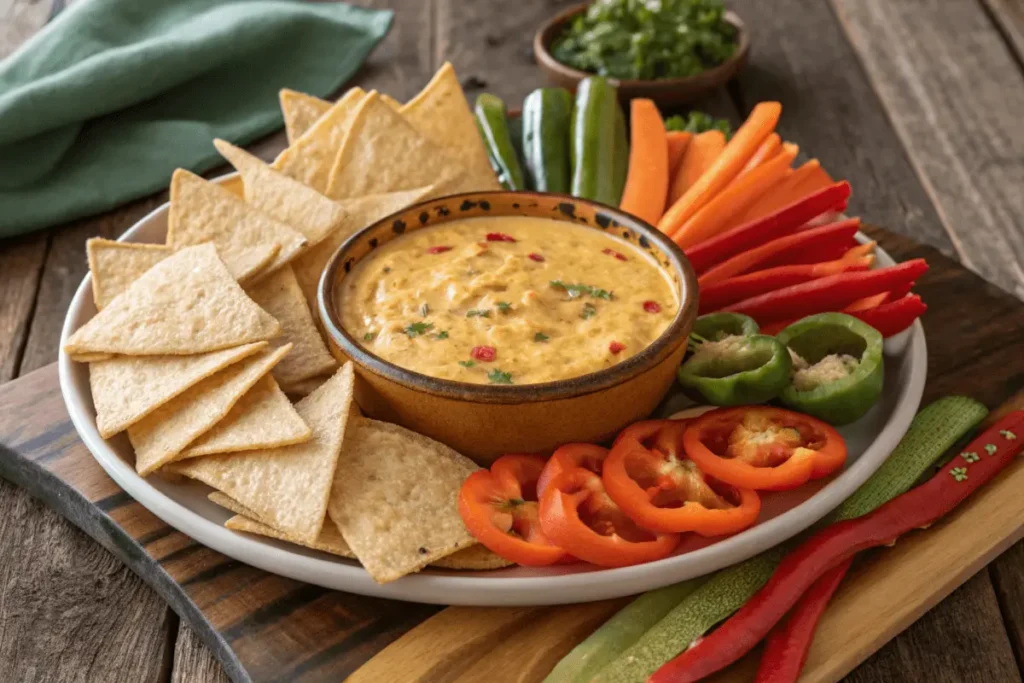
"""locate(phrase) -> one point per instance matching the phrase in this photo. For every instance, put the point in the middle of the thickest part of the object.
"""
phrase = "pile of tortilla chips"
(198, 342)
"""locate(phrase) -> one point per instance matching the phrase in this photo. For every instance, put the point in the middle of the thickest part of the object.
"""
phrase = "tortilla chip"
(162, 435)
(329, 540)
(283, 198)
(383, 153)
(362, 212)
(279, 295)
(186, 304)
(287, 487)
(310, 158)
(127, 388)
(305, 387)
(262, 418)
(115, 265)
(395, 499)
(300, 112)
(202, 211)
(475, 557)
(391, 102)
(441, 114)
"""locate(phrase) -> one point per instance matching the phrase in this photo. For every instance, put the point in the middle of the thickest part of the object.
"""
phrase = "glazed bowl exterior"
(667, 92)
(484, 421)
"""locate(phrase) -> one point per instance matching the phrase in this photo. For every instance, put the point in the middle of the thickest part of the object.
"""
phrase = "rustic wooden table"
(917, 103)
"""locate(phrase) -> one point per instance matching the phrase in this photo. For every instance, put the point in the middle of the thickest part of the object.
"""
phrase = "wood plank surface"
(800, 57)
(954, 93)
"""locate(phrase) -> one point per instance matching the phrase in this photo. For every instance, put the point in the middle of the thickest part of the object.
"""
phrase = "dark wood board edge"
(80, 511)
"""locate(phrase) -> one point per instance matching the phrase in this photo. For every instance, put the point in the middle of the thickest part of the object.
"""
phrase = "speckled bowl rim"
(542, 51)
(656, 352)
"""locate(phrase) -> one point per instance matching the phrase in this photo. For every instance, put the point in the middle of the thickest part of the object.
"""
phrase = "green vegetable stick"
(933, 431)
(621, 154)
(619, 632)
(593, 147)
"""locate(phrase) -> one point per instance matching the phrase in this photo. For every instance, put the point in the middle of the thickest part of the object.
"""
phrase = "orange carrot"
(867, 302)
(769, 148)
(860, 250)
(702, 151)
(759, 125)
(647, 179)
(720, 213)
(798, 184)
(678, 141)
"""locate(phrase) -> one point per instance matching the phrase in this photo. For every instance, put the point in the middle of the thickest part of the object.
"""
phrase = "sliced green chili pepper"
(737, 370)
(715, 326)
(838, 367)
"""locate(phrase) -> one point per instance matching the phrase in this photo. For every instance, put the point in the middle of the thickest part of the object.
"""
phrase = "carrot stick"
(769, 148)
(720, 213)
(867, 302)
(860, 250)
(816, 178)
(678, 141)
(759, 125)
(787, 192)
(702, 151)
(647, 180)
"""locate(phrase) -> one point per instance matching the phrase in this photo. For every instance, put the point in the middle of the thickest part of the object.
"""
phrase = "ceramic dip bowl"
(484, 421)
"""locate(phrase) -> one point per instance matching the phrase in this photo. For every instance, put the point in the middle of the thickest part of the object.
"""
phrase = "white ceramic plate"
(186, 508)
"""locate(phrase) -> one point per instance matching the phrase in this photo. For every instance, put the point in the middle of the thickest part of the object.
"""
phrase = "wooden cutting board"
(264, 627)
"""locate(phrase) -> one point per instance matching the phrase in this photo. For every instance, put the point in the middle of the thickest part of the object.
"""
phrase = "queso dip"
(506, 300)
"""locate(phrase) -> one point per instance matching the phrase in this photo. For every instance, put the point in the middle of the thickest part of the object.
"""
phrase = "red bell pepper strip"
(786, 647)
(720, 294)
(763, 448)
(757, 232)
(920, 507)
(499, 508)
(823, 250)
(648, 474)
(830, 293)
(810, 239)
(895, 316)
(578, 514)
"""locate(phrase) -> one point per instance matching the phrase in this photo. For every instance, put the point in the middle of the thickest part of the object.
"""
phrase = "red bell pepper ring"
(763, 448)
(499, 508)
(786, 647)
(811, 240)
(716, 296)
(920, 507)
(895, 316)
(648, 474)
(567, 457)
(830, 293)
(757, 232)
(577, 514)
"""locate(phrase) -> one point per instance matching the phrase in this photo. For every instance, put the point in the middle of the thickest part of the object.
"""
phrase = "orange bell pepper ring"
(499, 508)
(650, 477)
(577, 514)
(763, 448)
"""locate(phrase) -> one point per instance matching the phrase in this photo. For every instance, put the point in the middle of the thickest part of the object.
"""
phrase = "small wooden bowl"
(485, 421)
(668, 93)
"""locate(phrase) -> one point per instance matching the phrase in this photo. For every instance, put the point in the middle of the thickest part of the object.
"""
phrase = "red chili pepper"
(720, 294)
(811, 240)
(652, 307)
(439, 249)
(895, 316)
(920, 507)
(535, 257)
(757, 232)
(786, 647)
(612, 252)
(830, 293)
(484, 354)
(499, 237)
(616, 347)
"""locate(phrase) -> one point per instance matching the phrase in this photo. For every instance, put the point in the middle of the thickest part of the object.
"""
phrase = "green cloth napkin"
(105, 102)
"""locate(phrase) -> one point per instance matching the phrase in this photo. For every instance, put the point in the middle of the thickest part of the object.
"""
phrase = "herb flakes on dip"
(506, 317)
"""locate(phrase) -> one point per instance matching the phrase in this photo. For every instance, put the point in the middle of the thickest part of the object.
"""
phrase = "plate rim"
(485, 588)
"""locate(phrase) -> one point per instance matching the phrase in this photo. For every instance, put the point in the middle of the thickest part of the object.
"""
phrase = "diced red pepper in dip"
(535, 257)
(484, 354)
(499, 237)
(616, 347)
(439, 249)
(616, 254)
(652, 306)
